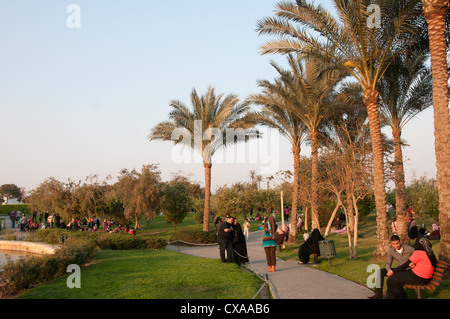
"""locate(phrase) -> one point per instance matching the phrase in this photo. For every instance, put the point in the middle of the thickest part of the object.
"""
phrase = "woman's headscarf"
(423, 243)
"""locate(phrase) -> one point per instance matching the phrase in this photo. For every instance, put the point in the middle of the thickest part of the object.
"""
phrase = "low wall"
(28, 247)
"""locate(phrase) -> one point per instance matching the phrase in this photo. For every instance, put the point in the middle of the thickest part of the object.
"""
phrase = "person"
(299, 222)
(422, 242)
(225, 240)
(310, 246)
(12, 216)
(269, 243)
(23, 223)
(50, 220)
(239, 244)
(105, 225)
(57, 220)
(246, 228)
(420, 272)
(91, 224)
(398, 252)
(435, 233)
(280, 236)
(394, 226)
(73, 225)
(217, 223)
(33, 225)
(305, 235)
(337, 224)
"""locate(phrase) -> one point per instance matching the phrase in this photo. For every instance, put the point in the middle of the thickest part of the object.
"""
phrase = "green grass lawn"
(153, 274)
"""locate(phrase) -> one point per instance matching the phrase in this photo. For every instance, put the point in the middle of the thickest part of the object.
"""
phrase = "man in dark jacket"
(225, 240)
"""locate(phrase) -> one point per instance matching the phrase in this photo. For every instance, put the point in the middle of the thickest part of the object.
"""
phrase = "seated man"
(398, 252)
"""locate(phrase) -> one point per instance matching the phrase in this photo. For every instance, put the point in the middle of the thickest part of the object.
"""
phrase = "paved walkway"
(290, 280)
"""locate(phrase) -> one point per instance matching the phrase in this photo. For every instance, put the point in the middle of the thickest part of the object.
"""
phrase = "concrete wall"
(26, 246)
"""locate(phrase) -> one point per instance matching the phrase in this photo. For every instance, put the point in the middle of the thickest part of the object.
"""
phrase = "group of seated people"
(32, 225)
(416, 265)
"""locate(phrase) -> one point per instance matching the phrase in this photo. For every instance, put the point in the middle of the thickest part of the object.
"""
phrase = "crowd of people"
(39, 221)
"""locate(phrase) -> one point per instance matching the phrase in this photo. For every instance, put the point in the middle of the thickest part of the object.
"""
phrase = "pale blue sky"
(75, 102)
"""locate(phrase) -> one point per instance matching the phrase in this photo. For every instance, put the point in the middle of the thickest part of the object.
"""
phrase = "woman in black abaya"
(239, 244)
(310, 246)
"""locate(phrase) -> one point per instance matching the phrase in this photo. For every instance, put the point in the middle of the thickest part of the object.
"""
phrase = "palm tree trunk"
(371, 102)
(434, 12)
(314, 180)
(207, 167)
(293, 232)
(400, 197)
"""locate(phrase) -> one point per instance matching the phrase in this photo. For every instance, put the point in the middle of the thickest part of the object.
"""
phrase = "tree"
(405, 91)
(354, 43)
(276, 114)
(423, 195)
(175, 202)
(139, 192)
(348, 162)
(436, 12)
(303, 92)
(8, 191)
(50, 195)
(214, 122)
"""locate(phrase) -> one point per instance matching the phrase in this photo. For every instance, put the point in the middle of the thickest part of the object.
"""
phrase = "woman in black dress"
(310, 246)
(239, 244)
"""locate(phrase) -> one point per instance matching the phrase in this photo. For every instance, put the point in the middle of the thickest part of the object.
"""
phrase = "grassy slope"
(153, 274)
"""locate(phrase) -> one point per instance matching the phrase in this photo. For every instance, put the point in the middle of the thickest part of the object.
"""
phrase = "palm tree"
(304, 93)
(211, 115)
(277, 115)
(405, 90)
(364, 50)
(436, 13)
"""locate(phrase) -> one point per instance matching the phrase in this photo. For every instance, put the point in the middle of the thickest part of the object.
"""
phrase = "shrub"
(102, 240)
(195, 237)
(6, 209)
(30, 272)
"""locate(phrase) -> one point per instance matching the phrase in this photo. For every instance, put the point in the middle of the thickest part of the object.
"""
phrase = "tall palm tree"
(405, 90)
(277, 115)
(364, 50)
(436, 12)
(304, 92)
(211, 115)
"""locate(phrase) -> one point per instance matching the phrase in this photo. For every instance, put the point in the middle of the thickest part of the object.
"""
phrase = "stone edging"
(27, 246)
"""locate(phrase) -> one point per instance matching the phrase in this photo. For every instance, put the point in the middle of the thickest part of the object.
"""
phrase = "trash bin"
(327, 249)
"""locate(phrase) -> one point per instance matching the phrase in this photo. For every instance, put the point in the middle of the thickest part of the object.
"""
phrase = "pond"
(12, 255)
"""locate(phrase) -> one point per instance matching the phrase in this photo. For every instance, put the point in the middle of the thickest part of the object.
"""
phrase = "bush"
(6, 209)
(195, 237)
(30, 272)
(102, 240)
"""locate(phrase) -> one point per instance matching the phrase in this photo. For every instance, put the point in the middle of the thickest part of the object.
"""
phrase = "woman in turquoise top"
(269, 242)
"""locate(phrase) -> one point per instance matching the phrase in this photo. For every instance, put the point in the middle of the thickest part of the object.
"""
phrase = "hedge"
(102, 240)
(32, 271)
(6, 209)
(194, 236)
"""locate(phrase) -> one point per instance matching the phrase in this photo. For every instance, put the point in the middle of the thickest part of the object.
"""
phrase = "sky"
(81, 87)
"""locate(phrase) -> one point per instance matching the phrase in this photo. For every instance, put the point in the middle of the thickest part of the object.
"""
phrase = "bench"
(435, 281)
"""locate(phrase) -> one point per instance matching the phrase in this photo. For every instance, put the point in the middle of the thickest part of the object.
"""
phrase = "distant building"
(11, 201)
